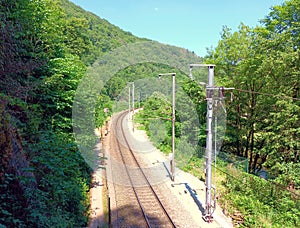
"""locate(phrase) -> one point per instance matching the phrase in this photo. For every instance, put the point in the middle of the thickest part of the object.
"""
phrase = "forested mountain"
(90, 36)
(46, 46)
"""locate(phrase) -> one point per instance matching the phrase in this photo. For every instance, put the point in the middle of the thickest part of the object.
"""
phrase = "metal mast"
(129, 97)
(209, 141)
(209, 146)
(173, 123)
(132, 99)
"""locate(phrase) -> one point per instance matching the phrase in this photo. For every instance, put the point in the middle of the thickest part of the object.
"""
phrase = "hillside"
(99, 36)
(47, 47)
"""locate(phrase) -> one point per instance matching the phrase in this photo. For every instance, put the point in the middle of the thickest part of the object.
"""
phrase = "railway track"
(138, 203)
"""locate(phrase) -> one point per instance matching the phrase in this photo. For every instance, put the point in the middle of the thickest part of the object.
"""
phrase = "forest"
(48, 46)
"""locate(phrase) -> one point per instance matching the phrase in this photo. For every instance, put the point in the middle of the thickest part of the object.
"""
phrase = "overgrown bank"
(46, 47)
(249, 200)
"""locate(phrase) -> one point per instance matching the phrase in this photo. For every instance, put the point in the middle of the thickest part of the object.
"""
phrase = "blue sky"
(191, 24)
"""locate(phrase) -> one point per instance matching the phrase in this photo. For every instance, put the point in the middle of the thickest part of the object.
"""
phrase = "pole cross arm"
(201, 65)
(167, 74)
(209, 66)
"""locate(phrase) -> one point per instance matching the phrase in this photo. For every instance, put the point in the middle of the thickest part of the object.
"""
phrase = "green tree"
(259, 62)
(58, 90)
(76, 36)
(38, 82)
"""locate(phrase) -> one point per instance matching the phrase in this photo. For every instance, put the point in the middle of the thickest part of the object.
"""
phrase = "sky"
(191, 24)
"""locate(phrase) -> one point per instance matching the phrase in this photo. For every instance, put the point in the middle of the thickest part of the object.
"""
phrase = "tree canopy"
(262, 63)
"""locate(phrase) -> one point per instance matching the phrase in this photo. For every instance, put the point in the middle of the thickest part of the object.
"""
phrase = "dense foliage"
(263, 126)
(263, 65)
(89, 36)
(260, 202)
(156, 117)
(46, 47)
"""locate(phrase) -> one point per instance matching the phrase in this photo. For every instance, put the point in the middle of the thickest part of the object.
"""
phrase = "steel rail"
(121, 119)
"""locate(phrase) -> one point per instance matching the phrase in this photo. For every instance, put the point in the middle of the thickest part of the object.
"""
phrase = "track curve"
(138, 205)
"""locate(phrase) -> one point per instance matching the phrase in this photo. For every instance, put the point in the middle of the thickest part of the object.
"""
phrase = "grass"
(105, 202)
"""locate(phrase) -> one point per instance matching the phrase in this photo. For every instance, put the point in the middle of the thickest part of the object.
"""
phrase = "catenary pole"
(173, 123)
(210, 204)
(129, 97)
(131, 108)
(129, 100)
(209, 139)
(132, 99)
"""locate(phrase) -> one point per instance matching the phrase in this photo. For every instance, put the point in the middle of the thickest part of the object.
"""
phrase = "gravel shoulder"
(185, 196)
(186, 193)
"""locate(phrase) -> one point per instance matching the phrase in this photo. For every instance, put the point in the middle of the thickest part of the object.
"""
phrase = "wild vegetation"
(262, 64)
(47, 47)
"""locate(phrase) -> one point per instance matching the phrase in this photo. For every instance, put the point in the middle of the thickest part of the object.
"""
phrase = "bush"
(63, 183)
(262, 203)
